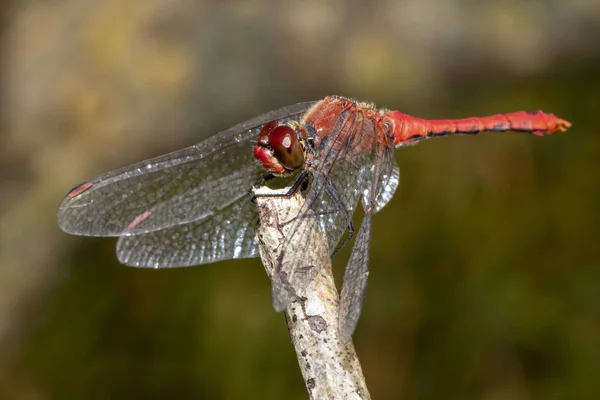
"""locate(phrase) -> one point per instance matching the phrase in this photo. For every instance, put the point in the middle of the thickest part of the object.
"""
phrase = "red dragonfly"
(192, 206)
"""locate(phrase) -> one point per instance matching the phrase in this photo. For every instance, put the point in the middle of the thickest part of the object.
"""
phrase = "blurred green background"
(485, 273)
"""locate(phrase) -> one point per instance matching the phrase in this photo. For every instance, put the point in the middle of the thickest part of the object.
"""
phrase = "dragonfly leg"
(301, 183)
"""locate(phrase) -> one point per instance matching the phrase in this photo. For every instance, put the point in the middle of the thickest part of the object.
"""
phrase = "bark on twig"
(329, 365)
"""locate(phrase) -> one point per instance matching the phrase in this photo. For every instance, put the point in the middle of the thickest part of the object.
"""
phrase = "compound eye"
(286, 147)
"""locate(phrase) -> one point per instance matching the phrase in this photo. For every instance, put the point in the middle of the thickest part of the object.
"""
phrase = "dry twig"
(329, 365)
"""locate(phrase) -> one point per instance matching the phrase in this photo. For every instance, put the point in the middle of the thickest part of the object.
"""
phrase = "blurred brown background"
(485, 279)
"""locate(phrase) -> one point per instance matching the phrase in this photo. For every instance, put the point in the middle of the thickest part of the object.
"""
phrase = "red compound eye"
(286, 148)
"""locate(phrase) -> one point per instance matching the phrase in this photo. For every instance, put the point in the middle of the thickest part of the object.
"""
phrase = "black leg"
(301, 183)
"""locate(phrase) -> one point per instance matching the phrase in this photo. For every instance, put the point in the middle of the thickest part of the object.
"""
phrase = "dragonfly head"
(281, 147)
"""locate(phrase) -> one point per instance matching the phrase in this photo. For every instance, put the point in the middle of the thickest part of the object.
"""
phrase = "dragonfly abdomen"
(407, 129)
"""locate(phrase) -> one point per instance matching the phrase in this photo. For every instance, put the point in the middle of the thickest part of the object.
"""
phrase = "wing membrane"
(172, 189)
(333, 196)
(229, 233)
(354, 286)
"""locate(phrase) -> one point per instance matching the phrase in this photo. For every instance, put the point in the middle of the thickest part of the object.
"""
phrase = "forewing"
(176, 188)
(226, 234)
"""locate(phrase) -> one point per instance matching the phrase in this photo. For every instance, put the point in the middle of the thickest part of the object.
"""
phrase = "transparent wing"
(354, 285)
(337, 186)
(226, 234)
(390, 179)
(176, 188)
(357, 270)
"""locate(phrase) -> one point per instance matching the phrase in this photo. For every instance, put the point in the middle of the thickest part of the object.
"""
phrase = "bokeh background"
(485, 273)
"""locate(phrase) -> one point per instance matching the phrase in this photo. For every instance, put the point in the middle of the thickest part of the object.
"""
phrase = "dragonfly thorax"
(281, 147)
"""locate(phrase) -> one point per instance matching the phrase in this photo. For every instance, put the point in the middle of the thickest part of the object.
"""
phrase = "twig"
(329, 365)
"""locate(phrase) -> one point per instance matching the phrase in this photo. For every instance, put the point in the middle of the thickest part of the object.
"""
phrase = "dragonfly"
(193, 206)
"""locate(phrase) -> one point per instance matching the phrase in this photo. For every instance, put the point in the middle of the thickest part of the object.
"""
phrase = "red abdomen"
(407, 129)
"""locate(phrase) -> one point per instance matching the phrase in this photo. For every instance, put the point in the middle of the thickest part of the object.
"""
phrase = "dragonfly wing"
(314, 233)
(333, 196)
(357, 270)
(226, 234)
(389, 181)
(390, 178)
(172, 189)
(354, 286)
